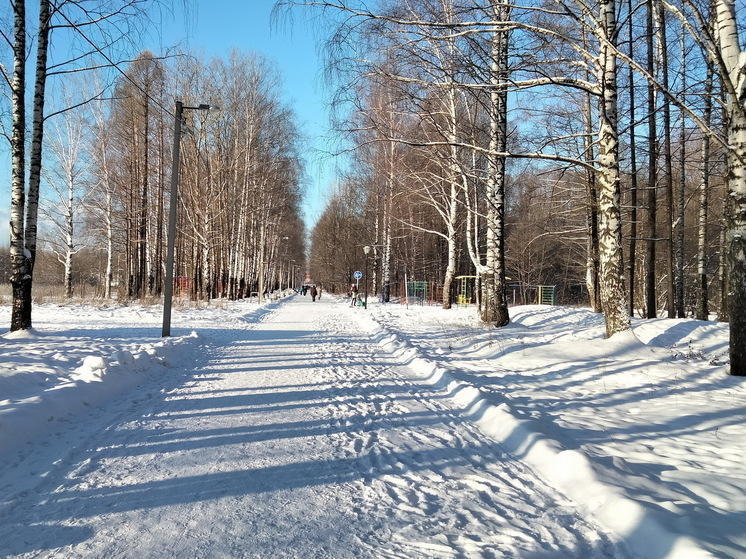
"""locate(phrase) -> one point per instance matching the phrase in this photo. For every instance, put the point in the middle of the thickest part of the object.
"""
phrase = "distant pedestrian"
(320, 290)
(354, 294)
(314, 292)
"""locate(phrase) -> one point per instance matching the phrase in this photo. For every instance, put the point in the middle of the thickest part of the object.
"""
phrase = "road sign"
(357, 275)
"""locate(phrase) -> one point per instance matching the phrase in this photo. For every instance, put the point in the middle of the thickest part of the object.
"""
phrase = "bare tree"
(66, 178)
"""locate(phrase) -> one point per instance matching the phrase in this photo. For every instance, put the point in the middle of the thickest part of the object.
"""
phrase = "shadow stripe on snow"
(638, 526)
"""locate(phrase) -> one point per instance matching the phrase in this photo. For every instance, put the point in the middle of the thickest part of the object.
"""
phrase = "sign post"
(366, 250)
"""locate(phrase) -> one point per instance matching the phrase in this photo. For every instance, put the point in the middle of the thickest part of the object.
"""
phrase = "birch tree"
(731, 62)
(66, 179)
(721, 45)
(77, 20)
(613, 295)
(20, 257)
(702, 307)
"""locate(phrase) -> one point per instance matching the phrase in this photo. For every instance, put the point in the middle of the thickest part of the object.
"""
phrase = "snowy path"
(296, 438)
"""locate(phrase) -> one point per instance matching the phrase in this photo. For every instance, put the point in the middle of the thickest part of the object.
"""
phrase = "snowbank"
(627, 427)
(30, 408)
(81, 356)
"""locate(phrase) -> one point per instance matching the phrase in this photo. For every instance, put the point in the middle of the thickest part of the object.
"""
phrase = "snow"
(28, 334)
(646, 422)
(304, 429)
(79, 356)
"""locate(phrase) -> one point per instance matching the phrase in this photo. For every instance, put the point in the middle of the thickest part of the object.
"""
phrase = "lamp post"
(168, 288)
(283, 262)
(291, 273)
(366, 250)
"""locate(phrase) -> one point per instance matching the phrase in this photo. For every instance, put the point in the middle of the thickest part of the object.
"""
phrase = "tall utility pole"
(168, 288)
(366, 250)
(260, 287)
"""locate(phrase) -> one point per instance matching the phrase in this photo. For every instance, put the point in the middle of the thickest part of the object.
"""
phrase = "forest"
(91, 207)
(597, 147)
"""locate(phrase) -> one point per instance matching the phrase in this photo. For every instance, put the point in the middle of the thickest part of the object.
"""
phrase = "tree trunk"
(735, 242)
(21, 316)
(632, 256)
(667, 161)
(613, 295)
(451, 268)
(69, 238)
(142, 232)
(702, 310)
(388, 203)
(651, 302)
(160, 214)
(109, 246)
(453, 198)
(23, 306)
(679, 224)
(735, 236)
(591, 268)
(495, 306)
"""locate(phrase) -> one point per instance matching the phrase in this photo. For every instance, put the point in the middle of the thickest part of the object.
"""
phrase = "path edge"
(637, 526)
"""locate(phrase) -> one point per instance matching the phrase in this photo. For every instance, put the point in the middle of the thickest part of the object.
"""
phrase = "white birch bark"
(453, 196)
(702, 308)
(613, 295)
(651, 302)
(388, 206)
(35, 157)
(591, 268)
(109, 245)
(679, 223)
(734, 60)
(494, 304)
(19, 258)
(69, 236)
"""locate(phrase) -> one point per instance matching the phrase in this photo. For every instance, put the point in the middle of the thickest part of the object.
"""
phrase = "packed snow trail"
(298, 437)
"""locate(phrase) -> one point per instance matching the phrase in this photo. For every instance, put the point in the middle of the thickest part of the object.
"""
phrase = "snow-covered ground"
(289, 433)
(660, 420)
(317, 430)
(82, 355)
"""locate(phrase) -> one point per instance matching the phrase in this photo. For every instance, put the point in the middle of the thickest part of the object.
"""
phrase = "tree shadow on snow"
(39, 522)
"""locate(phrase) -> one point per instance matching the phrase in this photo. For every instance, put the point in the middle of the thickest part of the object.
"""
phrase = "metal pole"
(168, 287)
(260, 287)
(366, 281)
(406, 291)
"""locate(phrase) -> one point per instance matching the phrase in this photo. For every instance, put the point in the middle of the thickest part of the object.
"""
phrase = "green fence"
(416, 292)
(545, 295)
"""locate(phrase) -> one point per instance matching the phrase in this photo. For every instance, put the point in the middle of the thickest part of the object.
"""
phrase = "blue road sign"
(357, 275)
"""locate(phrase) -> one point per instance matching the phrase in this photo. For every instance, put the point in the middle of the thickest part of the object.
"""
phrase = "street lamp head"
(366, 249)
(204, 107)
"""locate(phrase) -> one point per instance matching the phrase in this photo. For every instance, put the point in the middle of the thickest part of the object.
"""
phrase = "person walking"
(355, 292)
(314, 292)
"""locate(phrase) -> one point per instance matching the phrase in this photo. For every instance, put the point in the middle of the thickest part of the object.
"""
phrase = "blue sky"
(213, 28)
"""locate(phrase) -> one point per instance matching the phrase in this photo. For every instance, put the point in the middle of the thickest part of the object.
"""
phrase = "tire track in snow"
(468, 503)
(88, 443)
(303, 441)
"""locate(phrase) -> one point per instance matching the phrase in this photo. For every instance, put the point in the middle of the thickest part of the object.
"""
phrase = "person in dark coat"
(314, 292)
